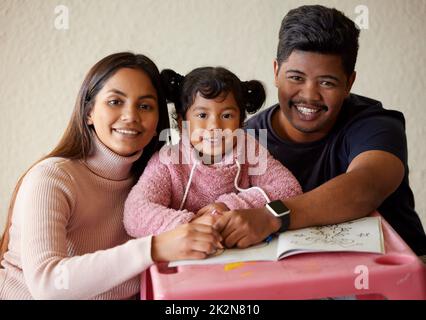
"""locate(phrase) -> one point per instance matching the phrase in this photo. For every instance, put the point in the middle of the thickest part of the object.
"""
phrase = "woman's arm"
(43, 206)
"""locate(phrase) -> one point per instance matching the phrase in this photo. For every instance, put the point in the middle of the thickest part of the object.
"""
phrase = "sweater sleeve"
(44, 205)
(146, 209)
(274, 179)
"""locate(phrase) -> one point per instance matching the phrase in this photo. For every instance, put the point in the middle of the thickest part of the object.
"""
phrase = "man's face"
(311, 90)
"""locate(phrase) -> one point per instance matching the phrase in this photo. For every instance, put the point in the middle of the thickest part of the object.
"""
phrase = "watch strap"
(285, 222)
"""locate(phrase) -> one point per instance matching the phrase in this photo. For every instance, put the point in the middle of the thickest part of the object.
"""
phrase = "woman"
(64, 238)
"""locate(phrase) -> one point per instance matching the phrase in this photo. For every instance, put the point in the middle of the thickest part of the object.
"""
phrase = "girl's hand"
(210, 214)
(187, 241)
(217, 207)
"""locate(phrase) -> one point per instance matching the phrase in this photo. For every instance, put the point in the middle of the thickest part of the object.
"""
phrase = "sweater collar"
(108, 164)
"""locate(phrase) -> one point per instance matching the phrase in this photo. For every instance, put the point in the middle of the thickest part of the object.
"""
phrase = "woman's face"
(125, 113)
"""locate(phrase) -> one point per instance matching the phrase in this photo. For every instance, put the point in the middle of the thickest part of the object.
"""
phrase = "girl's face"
(125, 113)
(212, 123)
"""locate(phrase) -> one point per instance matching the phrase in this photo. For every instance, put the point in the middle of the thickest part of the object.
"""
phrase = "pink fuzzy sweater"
(153, 204)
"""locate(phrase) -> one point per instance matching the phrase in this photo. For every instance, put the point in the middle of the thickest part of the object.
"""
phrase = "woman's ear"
(89, 120)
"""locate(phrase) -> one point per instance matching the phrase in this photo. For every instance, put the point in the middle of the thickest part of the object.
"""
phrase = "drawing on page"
(331, 234)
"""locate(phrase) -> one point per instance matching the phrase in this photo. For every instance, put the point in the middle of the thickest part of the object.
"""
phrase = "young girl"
(64, 238)
(211, 172)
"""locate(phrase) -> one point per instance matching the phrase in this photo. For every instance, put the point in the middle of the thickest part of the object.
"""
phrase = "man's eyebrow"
(295, 71)
(121, 93)
(324, 77)
(328, 76)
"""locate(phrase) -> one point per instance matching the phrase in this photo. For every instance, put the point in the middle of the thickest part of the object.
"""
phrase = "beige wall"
(42, 68)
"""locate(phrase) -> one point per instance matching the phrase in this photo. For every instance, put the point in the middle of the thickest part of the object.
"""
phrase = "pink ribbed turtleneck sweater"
(67, 239)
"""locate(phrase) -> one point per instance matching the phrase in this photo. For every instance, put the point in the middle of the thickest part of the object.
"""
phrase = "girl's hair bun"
(254, 94)
(172, 82)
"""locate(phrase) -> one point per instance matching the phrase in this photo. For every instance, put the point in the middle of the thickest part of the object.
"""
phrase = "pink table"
(398, 274)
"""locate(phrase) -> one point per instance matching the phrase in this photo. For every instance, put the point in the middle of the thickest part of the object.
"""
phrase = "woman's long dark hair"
(76, 141)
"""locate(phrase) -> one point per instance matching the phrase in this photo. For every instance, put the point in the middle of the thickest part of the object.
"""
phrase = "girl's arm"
(146, 209)
(275, 179)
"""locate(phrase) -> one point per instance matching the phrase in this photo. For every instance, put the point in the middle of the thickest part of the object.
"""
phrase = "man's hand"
(243, 228)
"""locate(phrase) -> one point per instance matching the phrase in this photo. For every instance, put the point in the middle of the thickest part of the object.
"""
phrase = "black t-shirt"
(363, 124)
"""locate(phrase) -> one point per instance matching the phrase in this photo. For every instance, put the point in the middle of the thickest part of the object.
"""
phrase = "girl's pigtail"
(254, 95)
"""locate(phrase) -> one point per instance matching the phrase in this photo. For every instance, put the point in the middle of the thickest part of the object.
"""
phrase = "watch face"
(278, 207)
(280, 210)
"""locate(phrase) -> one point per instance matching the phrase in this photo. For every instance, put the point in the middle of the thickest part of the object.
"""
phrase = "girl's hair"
(76, 141)
(212, 82)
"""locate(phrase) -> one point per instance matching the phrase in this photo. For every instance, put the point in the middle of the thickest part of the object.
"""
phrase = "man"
(348, 153)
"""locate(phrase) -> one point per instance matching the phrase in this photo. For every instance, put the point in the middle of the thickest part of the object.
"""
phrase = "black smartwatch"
(279, 210)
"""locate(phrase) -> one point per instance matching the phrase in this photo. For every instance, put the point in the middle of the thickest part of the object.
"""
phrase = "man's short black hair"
(319, 29)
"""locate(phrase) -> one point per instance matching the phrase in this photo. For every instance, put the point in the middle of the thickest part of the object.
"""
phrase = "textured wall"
(42, 68)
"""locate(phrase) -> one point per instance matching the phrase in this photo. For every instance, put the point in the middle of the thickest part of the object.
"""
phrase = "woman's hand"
(187, 241)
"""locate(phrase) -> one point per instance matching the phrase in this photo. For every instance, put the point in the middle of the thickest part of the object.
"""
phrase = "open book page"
(263, 251)
(362, 235)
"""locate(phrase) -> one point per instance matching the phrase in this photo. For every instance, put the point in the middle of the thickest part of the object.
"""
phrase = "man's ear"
(276, 70)
(350, 83)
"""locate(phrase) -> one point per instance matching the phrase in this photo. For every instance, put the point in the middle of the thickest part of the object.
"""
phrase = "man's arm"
(371, 177)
